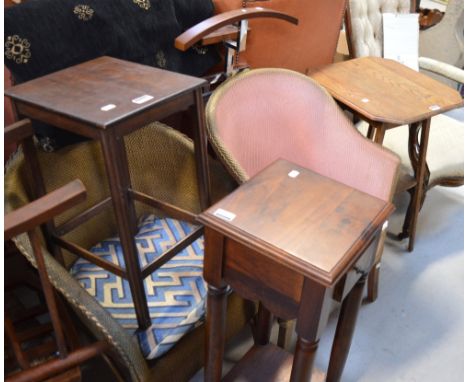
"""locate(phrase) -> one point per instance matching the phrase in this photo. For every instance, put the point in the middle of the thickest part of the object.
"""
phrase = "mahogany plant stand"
(106, 99)
(293, 240)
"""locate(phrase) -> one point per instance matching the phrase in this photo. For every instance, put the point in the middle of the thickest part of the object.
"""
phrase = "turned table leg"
(344, 331)
(214, 334)
(304, 357)
(311, 321)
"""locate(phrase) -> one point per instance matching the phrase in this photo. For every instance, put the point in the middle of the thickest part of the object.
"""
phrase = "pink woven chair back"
(266, 114)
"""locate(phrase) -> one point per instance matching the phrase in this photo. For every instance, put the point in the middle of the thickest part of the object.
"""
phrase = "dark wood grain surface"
(312, 224)
(79, 92)
(266, 363)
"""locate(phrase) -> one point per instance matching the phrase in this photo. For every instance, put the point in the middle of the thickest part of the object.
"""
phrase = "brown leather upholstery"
(309, 45)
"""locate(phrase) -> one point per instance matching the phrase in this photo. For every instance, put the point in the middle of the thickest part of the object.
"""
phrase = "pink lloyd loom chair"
(265, 114)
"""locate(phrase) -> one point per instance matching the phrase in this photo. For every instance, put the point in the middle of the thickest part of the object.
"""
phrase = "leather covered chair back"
(445, 41)
(304, 47)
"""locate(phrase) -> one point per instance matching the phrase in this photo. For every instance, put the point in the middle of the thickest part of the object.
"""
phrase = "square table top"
(87, 91)
(383, 90)
(310, 223)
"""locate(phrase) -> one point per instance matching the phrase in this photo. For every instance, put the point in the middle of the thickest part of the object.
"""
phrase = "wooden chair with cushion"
(445, 154)
(37, 357)
(162, 164)
(265, 114)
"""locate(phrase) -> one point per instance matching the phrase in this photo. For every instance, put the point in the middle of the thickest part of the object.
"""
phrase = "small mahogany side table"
(293, 240)
(387, 94)
(105, 99)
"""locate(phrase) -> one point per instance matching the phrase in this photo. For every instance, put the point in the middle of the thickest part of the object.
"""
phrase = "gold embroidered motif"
(161, 59)
(84, 12)
(145, 4)
(17, 49)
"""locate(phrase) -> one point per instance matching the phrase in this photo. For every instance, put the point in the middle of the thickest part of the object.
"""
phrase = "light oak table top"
(383, 90)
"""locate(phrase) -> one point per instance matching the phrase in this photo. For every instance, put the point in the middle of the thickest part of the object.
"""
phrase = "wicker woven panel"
(267, 114)
(161, 163)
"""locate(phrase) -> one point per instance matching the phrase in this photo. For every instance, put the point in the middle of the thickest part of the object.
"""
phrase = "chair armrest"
(442, 68)
(43, 209)
(18, 131)
(194, 34)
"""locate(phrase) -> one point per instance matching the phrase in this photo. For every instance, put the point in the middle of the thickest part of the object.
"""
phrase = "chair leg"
(408, 216)
(285, 331)
(263, 326)
(405, 232)
(373, 283)
(373, 279)
(11, 335)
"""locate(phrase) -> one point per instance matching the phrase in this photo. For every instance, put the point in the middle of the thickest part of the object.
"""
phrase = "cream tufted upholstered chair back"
(444, 41)
(364, 24)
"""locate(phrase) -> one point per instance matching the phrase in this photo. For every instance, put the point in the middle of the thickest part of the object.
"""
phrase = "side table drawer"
(258, 277)
(362, 266)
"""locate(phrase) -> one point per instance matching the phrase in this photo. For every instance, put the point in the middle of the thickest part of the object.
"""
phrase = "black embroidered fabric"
(43, 36)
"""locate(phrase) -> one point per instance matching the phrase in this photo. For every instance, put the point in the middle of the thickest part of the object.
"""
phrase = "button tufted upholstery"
(445, 41)
(366, 21)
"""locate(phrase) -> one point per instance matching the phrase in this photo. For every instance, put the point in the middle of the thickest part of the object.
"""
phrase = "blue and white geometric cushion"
(176, 292)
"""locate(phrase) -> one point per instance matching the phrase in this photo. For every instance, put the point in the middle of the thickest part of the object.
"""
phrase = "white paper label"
(293, 173)
(142, 99)
(401, 38)
(434, 107)
(225, 215)
(108, 107)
